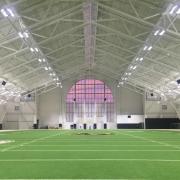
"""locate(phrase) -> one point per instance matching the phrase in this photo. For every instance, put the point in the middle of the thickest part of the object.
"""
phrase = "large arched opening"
(89, 103)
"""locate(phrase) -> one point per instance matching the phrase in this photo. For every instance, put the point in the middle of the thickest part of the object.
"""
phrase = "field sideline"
(100, 155)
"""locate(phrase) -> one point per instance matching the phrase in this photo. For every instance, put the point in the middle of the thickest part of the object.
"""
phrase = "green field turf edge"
(57, 154)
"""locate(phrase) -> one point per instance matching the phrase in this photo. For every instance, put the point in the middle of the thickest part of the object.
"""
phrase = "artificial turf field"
(123, 154)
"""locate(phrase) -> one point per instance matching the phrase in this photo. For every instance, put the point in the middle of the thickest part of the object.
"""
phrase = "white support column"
(36, 106)
(144, 106)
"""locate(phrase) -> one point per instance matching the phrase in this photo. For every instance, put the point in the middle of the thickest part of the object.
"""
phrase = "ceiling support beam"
(90, 9)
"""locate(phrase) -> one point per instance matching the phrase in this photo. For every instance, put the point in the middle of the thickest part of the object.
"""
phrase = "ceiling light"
(156, 32)
(26, 34)
(149, 48)
(173, 9)
(20, 35)
(131, 67)
(162, 32)
(10, 12)
(4, 13)
(36, 49)
(58, 83)
(178, 11)
(31, 49)
(145, 47)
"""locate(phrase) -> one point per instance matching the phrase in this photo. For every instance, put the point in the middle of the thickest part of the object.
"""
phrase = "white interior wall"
(134, 119)
(129, 102)
(153, 109)
(2, 112)
(22, 118)
(51, 106)
(51, 109)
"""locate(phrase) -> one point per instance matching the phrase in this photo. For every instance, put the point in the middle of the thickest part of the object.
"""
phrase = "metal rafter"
(90, 9)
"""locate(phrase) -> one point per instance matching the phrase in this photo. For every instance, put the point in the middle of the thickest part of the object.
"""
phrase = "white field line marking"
(151, 140)
(26, 143)
(5, 141)
(102, 150)
(84, 145)
(97, 140)
(143, 140)
(77, 179)
(53, 160)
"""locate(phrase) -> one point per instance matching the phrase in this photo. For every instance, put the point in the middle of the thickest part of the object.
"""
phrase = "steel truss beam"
(90, 9)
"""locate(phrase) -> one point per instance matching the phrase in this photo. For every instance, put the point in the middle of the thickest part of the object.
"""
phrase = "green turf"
(123, 154)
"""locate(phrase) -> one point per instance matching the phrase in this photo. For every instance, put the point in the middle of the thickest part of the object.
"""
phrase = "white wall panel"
(135, 119)
(51, 106)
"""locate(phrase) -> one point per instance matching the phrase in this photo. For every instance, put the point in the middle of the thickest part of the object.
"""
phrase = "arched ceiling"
(99, 36)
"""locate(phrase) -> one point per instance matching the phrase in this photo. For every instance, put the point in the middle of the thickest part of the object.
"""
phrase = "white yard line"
(1, 131)
(99, 150)
(97, 141)
(5, 141)
(78, 179)
(95, 145)
(151, 140)
(26, 143)
(59, 160)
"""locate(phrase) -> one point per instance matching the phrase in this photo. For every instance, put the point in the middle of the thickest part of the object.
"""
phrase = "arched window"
(89, 99)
